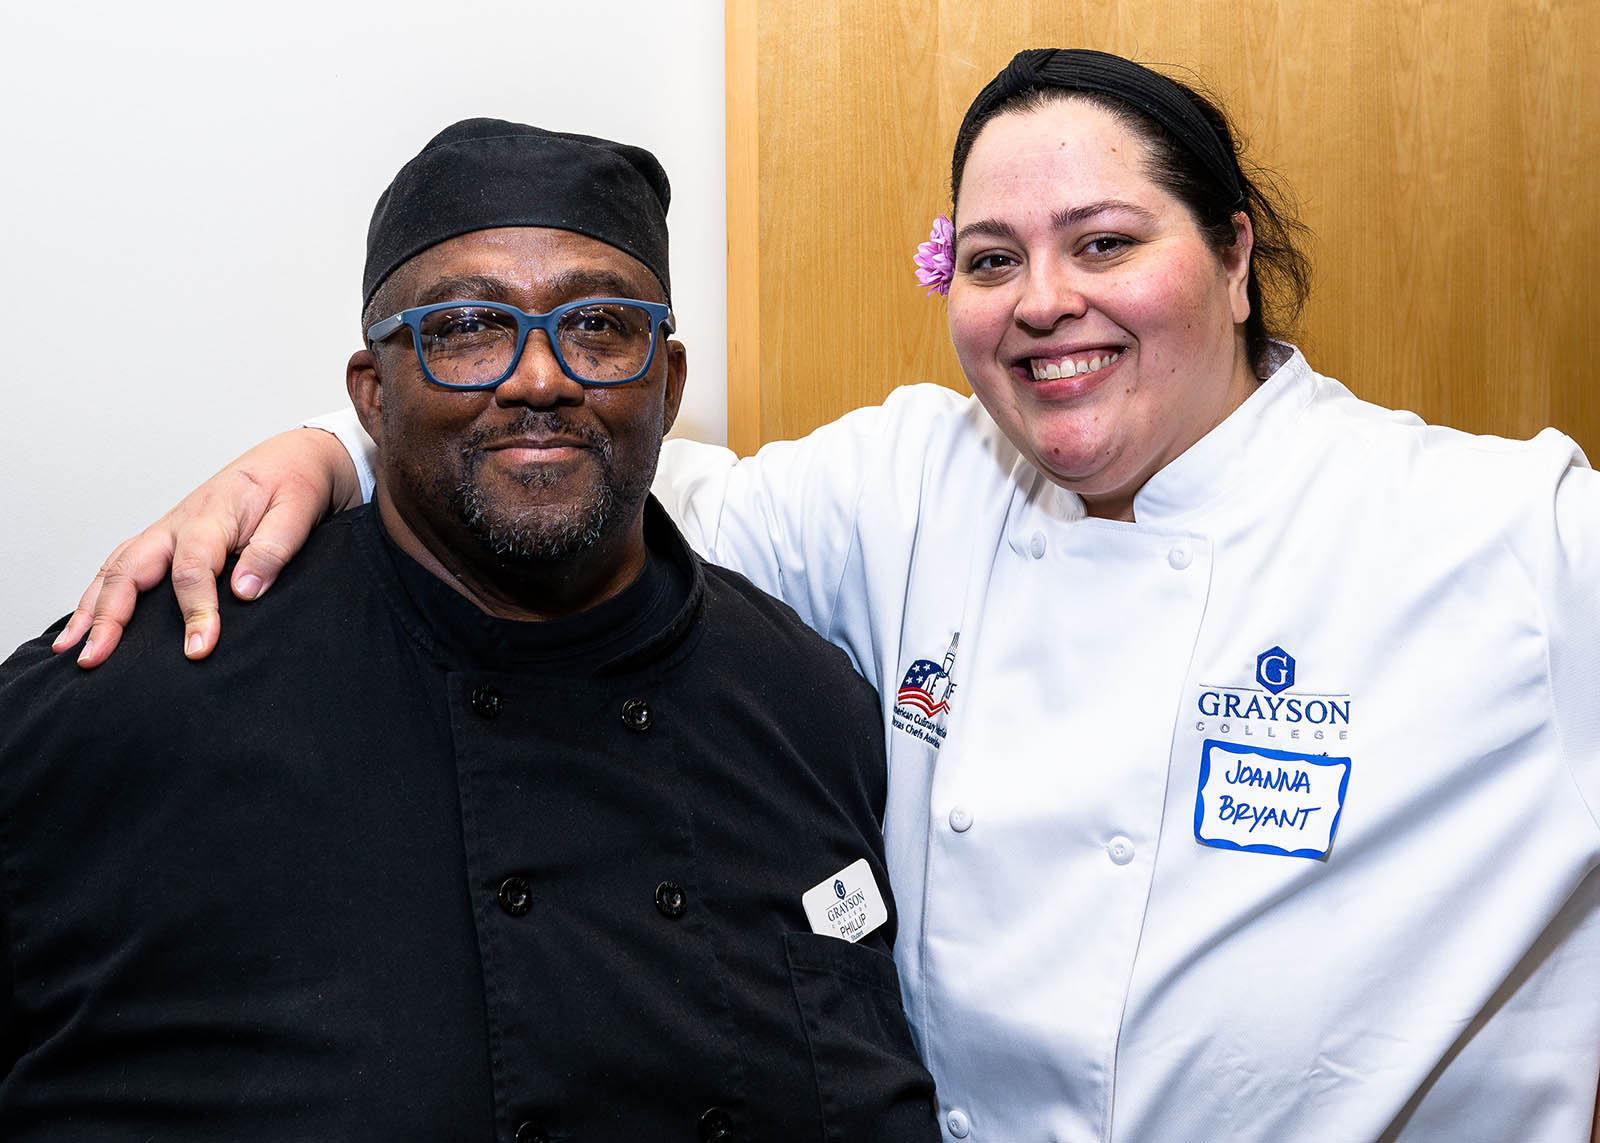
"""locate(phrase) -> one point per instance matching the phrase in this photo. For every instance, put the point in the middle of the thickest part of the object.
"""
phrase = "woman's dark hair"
(1280, 273)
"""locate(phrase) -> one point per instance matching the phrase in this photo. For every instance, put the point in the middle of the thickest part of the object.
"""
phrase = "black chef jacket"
(387, 868)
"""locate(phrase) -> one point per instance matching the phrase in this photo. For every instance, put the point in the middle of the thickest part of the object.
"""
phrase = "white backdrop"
(183, 213)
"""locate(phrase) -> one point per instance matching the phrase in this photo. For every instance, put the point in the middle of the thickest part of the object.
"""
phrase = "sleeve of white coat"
(345, 425)
(788, 517)
(1571, 572)
(783, 518)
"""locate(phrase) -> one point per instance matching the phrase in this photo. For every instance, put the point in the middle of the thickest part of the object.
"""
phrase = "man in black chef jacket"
(495, 819)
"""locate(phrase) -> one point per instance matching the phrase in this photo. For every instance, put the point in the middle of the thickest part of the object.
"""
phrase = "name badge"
(1260, 800)
(846, 905)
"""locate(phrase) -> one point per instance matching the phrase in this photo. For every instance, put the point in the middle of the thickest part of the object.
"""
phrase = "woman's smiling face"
(1092, 319)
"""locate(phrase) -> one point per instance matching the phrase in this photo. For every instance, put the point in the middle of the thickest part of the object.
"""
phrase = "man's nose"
(538, 381)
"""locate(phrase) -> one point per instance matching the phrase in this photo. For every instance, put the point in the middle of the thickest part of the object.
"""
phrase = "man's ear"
(365, 386)
(677, 371)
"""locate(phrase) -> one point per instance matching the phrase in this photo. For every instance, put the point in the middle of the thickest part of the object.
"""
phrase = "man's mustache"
(533, 423)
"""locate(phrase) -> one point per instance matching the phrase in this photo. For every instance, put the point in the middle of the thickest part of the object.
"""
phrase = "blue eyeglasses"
(476, 345)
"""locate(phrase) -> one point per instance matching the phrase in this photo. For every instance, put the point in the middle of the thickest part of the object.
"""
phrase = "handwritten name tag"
(1259, 800)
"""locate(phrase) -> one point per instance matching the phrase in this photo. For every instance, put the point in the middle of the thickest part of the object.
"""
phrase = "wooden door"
(1444, 152)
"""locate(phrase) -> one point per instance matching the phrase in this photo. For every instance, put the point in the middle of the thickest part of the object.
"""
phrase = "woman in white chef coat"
(1244, 737)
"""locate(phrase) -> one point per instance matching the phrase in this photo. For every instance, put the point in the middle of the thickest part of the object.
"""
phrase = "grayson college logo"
(923, 700)
(1275, 670)
(1274, 707)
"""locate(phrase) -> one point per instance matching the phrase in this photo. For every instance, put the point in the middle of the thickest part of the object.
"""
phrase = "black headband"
(481, 173)
(1079, 69)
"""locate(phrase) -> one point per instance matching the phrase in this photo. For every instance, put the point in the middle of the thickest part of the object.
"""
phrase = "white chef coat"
(1358, 656)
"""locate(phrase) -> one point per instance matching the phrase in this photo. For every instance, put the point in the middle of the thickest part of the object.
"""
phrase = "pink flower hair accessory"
(935, 258)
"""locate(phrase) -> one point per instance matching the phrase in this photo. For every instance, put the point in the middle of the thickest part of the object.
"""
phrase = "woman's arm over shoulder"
(1575, 633)
(1569, 571)
(786, 517)
(263, 505)
(346, 426)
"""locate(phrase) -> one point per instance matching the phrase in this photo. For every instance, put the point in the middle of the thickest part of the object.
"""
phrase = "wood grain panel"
(1443, 152)
(742, 97)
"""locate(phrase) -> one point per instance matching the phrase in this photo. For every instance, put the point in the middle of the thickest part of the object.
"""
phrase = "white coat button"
(1120, 850)
(958, 1123)
(961, 819)
(1036, 545)
(1180, 557)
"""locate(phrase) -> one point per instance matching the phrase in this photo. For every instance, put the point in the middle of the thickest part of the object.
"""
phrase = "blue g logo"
(838, 890)
(1275, 669)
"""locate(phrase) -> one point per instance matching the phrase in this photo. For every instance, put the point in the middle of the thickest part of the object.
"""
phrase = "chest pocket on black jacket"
(870, 1083)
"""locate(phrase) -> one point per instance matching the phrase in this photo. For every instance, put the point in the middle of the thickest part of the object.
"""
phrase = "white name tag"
(846, 905)
(1268, 801)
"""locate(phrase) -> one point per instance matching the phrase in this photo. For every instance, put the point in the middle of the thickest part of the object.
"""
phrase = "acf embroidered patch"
(922, 703)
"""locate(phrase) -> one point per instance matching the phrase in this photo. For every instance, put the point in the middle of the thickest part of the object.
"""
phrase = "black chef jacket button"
(486, 702)
(516, 896)
(636, 714)
(716, 1126)
(671, 899)
(531, 1133)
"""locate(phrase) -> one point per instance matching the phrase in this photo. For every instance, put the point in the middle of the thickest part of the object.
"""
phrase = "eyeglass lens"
(473, 345)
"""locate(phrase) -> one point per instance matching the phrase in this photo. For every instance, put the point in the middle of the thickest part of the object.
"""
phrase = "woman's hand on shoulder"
(265, 502)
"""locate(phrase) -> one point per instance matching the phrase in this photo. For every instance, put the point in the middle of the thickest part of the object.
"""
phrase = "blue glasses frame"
(660, 318)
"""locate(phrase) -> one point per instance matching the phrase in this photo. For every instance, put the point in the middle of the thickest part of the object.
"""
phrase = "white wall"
(183, 213)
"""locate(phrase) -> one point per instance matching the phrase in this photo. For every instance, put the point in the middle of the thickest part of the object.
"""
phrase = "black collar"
(641, 623)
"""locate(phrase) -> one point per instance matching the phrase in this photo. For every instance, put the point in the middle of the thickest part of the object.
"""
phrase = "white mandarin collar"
(1035, 499)
(1239, 448)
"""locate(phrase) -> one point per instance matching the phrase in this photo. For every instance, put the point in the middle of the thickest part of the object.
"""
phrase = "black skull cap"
(482, 173)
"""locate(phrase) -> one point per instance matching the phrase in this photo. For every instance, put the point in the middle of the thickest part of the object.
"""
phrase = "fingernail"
(88, 649)
(248, 586)
(191, 645)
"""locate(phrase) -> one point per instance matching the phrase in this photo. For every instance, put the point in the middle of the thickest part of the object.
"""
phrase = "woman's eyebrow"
(987, 228)
(1078, 215)
(1059, 220)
